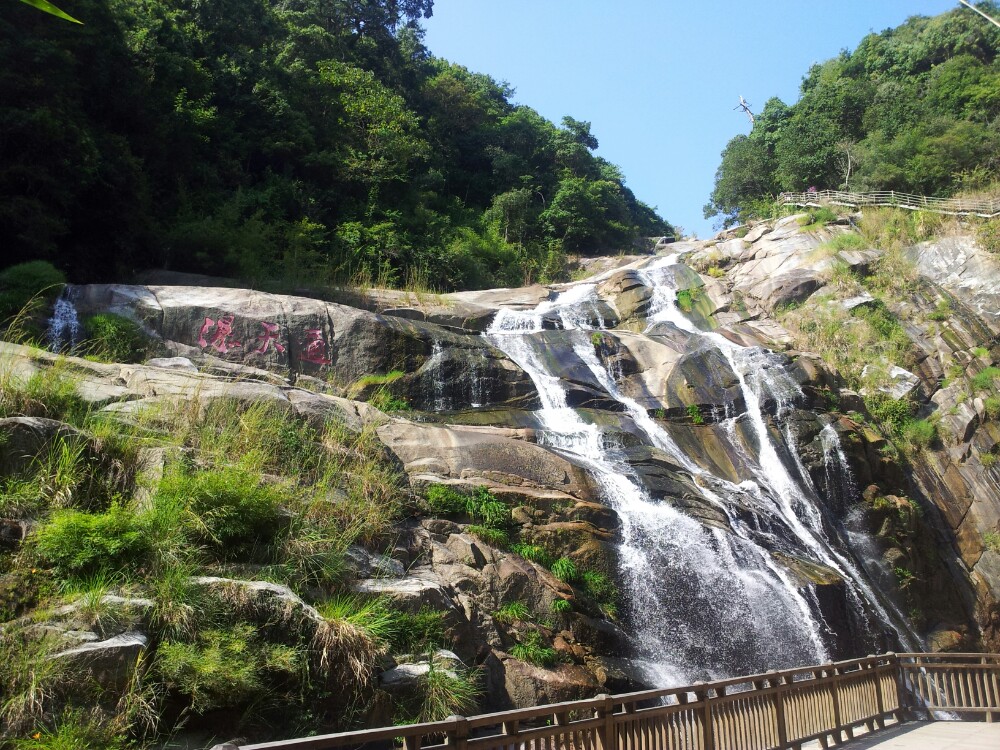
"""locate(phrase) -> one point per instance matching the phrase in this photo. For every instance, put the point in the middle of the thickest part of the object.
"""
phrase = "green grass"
(985, 378)
(493, 537)
(562, 606)
(419, 632)
(534, 651)
(942, 311)
(816, 218)
(991, 540)
(991, 405)
(532, 552)
(688, 298)
(565, 570)
(512, 612)
(444, 501)
(920, 434)
(114, 338)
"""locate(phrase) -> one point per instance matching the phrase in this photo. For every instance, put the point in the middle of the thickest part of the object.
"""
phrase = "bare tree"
(745, 106)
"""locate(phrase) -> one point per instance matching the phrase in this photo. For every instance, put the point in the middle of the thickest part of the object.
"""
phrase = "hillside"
(282, 142)
(912, 109)
(301, 515)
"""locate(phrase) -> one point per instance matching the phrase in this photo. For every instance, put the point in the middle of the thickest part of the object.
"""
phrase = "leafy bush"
(233, 511)
(533, 651)
(599, 586)
(419, 632)
(985, 378)
(229, 668)
(920, 433)
(892, 413)
(565, 570)
(816, 218)
(444, 501)
(36, 280)
(991, 405)
(694, 414)
(484, 506)
(85, 544)
(688, 298)
(114, 338)
(988, 235)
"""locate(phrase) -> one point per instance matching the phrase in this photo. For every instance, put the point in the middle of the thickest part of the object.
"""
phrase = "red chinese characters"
(221, 336)
(269, 339)
(314, 347)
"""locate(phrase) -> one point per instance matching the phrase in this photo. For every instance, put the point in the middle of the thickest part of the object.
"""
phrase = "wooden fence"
(955, 206)
(772, 711)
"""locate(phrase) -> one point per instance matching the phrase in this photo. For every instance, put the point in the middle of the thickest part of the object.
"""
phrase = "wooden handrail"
(986, 209)
(773, 711)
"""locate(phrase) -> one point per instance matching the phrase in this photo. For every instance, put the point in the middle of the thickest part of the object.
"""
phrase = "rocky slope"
(917, 518)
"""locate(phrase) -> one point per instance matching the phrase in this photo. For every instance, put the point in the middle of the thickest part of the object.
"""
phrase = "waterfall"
(63, 332)
(702, 602)
(435, 366)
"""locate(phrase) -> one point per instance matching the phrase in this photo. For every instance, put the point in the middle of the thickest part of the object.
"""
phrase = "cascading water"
(703, 602)
(63, 332)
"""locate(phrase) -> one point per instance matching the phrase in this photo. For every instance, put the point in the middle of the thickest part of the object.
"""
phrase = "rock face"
(296, 336)
(746, 451)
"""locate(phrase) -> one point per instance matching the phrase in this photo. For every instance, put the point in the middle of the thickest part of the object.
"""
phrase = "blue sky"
(658, 79)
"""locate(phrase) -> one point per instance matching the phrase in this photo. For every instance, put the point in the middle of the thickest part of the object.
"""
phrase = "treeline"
(914, 109)
(301, 140)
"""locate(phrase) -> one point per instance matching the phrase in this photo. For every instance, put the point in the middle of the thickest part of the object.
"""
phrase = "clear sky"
(658, 79)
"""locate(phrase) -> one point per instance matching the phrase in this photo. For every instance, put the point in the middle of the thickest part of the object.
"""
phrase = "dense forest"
(913, 108)
(294, 140)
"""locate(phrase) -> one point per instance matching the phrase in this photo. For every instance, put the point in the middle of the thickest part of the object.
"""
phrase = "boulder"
(787, 288)
(902, 383)
(111, 663)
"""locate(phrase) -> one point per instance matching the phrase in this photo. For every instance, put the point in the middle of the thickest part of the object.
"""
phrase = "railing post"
(458, 737)
(902, 694)
(879, 701)
(834, 675)
(707, 730)
(779, 707)
(606, 732)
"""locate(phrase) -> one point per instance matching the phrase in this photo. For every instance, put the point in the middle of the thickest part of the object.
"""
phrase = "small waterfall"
(63, 332)
(435, 365)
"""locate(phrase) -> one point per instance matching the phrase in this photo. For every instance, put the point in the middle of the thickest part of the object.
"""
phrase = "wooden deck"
(930, 735)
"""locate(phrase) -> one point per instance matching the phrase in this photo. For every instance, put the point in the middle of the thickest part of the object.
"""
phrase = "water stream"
(703, 601)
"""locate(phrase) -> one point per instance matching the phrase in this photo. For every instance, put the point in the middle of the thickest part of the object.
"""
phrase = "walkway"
(987, 208)
(930, 735)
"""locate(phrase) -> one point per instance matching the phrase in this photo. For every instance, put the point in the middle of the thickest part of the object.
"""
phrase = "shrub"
(532, 552)
(983, 380)
(688, 298)
(445, 690)
(817, 218)
(232, 510)
(988, 235)
(28, 285)
(85, 544)
(942, 311)
(991, 405)
(599, 586)
(564, 569)
(114, 338)
(512, 612)
(991, 540)
(420, 631)
(989, 460)
(484, 506)
(533, 651)
(444, 501)
(892, 414)
(980, 351)
(920, 433)
(694, 414)
(715, 272)
(376, 616)
(226, 668)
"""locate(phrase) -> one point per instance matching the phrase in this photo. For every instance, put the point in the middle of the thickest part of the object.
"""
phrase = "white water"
(63, 332)
(703, 602)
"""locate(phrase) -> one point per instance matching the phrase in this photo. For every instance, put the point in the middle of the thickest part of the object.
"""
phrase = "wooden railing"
(772, 711)
(965, 684)
(956, 206)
